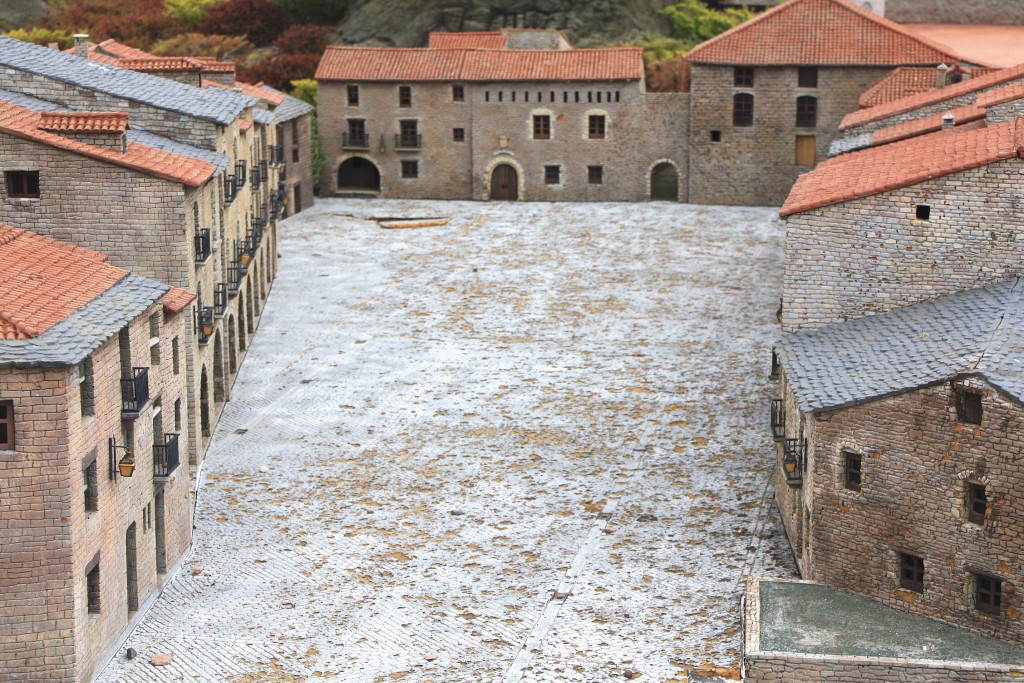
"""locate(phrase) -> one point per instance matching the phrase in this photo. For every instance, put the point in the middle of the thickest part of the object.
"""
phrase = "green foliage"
(230, 48)
(693, 22)
(189, 12)
(314, 11)
(135, 22)
(42, 36)
(660, 48)
(305, 90)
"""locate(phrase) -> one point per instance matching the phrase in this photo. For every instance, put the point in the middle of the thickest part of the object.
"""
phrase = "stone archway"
(504, 180)
(218, 368)
(232, 358)
(664, 181)
(358, 174)
(204, 402)
(241, 320)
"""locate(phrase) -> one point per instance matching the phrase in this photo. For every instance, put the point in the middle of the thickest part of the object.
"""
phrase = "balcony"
(220, 299)
(277, 155)
(257, 176)
(240, 175)
(408, 141)
(235, 270)
(794, 461)
(134, 393)
(230, 188)
(355, 141)
(205, 324)
(165, 458)
(778, 419)
(202, 245)
(264, 171)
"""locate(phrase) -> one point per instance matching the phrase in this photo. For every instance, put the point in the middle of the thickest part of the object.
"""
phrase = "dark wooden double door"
(505, 183)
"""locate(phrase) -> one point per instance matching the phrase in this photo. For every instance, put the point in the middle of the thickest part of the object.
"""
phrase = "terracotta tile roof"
(491, 40)
(177, 299)
(152, 64)
(272, 97)
(901, 164)
(120, 50)
(428, 64)
(928, 124)
(244, 125)
(820, 32)
(43, 280)
(1001, 95)
(24, 123)
(906, 80)
(911, 102)
(83, 122)
(212, 65)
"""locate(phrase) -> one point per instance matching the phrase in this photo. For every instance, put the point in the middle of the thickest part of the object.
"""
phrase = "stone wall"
(294, 136)
(756, 165)
(872, 254)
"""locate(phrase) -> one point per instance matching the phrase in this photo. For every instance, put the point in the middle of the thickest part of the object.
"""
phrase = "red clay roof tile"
(901, 164)
(24, 123)
(1001, 95)
(491, 40)
(177, 299)
(43, 281)
(927, 124)
(155, 64)
(83, 122)
(906, 80)
(120, 50)
(258, 91)
(822, 32)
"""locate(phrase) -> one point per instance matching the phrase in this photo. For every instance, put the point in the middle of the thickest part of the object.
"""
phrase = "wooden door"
(806, 150)
(504, 183)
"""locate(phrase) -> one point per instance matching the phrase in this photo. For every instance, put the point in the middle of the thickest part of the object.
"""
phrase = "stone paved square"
(529, 444)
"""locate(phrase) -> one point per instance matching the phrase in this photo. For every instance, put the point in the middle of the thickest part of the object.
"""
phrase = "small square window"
(852, 463)
(92, 589)
(977, 503)
(353, 95)
(91, 492)
(22, 184)
(968, 407)
(807, 77)
(988, 594)
(6, 425)
(743, 77)
(912, 572)
(716, 136)
(410, 168)
(541, 127)
(459, 134)
(552, 175)
(922, 212)
(595, 175)
(404, 96)
(458, 93)
(595, 127)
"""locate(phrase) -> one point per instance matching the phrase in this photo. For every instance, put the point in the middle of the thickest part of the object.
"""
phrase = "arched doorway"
(358, 173)
(232, 360)
(249, 306)
(218, 368)
(204, 402)
(665, 182)
(504, 183)
(241, 320)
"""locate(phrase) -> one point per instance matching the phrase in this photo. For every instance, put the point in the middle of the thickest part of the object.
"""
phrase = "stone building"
(513, 115)
(95, 508)
(766, 97)
(200, 159)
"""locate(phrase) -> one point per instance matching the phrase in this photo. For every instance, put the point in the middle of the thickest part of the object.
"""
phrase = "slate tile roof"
(484, 66)
(223, 107)
(975, 332)
(25, 123)
(290, 108)
(83, 122)
(820, 32)
(936, 96)
(904, 163)
(490, 40)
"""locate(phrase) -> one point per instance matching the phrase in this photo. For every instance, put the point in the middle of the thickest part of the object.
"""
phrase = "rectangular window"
(487, 96)
(459, 134)
(806, 112)
(91, 493)
(552, 174)
(86, 388)
(404, 96)
(92, 589)
(968, 407)
(807, 77)
(922, 212)
(716, 136)
(806, 150)
(458, 93)
(177, 415)
(977, 503)
(410, 168)
(595, 175)
(353, 95)
(852, 475)
(541, 127)
(595, 127)
(175, 356)
(408, 134)
(912, 572)
(154, 339)
(988, 594)
(6, 425)
(743, 77)
(743, 109)
(21, 184)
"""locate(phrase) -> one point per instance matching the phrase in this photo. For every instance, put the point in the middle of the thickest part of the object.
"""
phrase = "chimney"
(940, 75)
(82, 45)
(948, 121)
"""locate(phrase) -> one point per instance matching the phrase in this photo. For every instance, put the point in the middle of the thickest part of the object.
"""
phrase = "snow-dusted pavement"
(527, 445)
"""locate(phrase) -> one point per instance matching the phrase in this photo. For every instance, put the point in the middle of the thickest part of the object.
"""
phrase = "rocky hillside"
(955, 11)
(18, 13)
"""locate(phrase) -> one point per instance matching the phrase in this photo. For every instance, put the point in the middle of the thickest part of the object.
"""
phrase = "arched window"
(806, 112)
(743, 109)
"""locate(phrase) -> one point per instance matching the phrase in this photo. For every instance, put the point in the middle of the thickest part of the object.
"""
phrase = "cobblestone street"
(530, 444)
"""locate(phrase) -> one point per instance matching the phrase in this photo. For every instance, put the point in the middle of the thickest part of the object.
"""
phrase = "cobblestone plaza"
(518, 442)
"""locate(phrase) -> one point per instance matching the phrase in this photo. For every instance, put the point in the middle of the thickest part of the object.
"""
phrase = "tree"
(315, 11)
(280, 70)
(189, 12)
(259, 20)
(41, 36)
(694, 22)
(235, 48)
(303, 39)
(135, 22)
(305, 89)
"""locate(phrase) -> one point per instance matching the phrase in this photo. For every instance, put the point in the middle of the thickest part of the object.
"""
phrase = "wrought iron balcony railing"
(202, 245)
(794, 460)
(778, 419)
(355, 141)
(220, 299)
(408, 141)
(165, 457)
(134, 393)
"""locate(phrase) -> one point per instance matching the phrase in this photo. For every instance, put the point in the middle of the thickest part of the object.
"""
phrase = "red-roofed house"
(97, 508)
(889, 226)
(767, 96)
(476, 116)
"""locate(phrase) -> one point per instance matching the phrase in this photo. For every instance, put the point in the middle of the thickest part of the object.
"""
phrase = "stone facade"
(642, 131)
(50, 541)
(297, 173)
(757, 164)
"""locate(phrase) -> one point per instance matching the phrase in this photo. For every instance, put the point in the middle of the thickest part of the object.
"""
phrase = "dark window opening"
(458, 93)
(912, 572)
(6, 425)
(541, 127)
(86, 387)
(501, 95)
(92, 589)
(988, 594)
(459, 134)
(595, 127)
(91, 491)
(552, 175)
(353, 95)
(408, 134)
(968, 407)
(410, 168)
(487, 96)
(807, 77)
(22, 184)
(716, 136)
(743, 109)
(852, 463)
(513, 95)
(922, 212)
(595, 175)
(977, 503)
(577, 97)
(743, 77)
(806, 112)
(404, 96)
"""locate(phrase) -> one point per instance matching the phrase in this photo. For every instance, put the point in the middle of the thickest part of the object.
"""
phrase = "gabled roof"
(932, 97)
(905, 81)
(220, 106)
(83, 122)
(492, 40)
(976, 332)
(25, 123)
(290, 108)
(901, 164)
(820, 32)
(427, 64)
